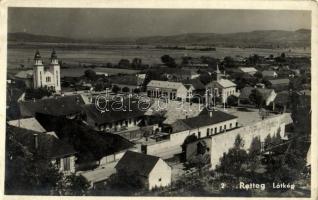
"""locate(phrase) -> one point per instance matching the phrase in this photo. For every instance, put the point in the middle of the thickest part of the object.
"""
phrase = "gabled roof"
(137, 163)
(111, 115)
(48, 146)
(24, 74)
(56, 106)
(196, 83)
(165, 84)
(28, 123)
(265, 92)
(225, 83)
(179, 126)
(279, 81)
(204, 119)
(248, 69)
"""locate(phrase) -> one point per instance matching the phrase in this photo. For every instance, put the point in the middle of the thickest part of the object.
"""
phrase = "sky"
(113, 23)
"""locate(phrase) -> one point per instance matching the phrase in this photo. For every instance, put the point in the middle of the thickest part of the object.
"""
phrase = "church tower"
(55, 70)
(38, 71)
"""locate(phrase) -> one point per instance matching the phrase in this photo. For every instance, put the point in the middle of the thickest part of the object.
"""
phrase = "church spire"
(54, 57)
(37, 55)
(218, 72)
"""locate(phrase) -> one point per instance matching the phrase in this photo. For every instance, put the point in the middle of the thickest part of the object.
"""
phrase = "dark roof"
(113, 115)
(53, 55)
(139, 163)
(196, 83)
(282, 98)
(126, 80)
(89, 144)
(246, 92)
(204, 119)
(56, 106)
(48, 146)
(179, 126)
(284, 81)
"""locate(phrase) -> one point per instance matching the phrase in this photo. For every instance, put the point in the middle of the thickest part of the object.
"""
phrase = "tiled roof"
(27, 123)
(248, 69)
(225, 83)
(165, 84)
(204, 119)
(56, 106)
(86, 141)
(113, 115)
(196, 83)
(137, 163)
(48, 146)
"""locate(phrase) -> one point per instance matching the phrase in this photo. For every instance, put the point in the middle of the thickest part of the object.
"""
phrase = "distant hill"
(260, 39)
(26, 37)
(268, 39)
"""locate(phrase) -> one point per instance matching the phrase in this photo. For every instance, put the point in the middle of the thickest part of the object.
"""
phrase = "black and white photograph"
(158, 102)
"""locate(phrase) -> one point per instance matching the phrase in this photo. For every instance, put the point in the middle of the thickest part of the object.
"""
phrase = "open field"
(113, 53)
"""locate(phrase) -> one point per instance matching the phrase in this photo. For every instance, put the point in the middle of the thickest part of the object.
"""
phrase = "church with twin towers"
(48, 77)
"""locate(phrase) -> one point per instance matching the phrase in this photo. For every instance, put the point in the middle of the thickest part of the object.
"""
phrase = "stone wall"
(222, 142)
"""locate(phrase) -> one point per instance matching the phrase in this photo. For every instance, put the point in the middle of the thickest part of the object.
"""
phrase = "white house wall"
(160, 176)
(221, 143)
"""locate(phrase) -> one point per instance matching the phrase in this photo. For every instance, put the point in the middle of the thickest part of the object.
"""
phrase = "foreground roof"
(139, 163)
(48, 145)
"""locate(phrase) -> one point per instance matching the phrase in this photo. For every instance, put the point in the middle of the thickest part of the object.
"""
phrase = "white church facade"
(47, 76)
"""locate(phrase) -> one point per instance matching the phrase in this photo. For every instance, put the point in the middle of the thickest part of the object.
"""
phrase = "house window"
(207, 131)
(215, 130)
(67, 163)
(199, 134)
(211, 131)
(57, 79)
(159, 179)
(225, 127)
(230, 125)
(220, 128)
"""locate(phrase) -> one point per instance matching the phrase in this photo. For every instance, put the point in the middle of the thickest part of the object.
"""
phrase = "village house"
(222, 88)
(152, 171)
(269, 74)
(206, 124)
(113, 118)
(248, 70)
(181, 75)
(61, 154)
(167, 89)
(131, 82)
(196, 86)
(268, 95)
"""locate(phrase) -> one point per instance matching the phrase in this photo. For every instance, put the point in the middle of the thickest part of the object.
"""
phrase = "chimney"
(210, 114)
(36, 141)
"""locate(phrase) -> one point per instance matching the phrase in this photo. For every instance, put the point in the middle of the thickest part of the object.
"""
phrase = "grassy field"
(113, 53)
